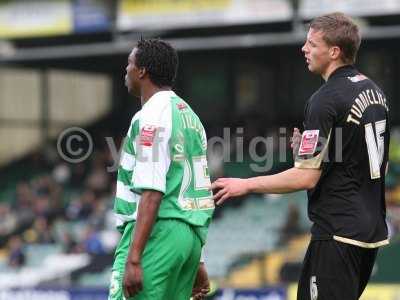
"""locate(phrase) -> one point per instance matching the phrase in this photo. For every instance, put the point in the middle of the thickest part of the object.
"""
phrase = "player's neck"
(149, 91)
(331, 68)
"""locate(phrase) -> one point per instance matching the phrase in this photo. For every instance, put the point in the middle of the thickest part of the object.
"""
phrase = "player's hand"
(133, 279)
(295, 141)
(201, 285)
(228, 187)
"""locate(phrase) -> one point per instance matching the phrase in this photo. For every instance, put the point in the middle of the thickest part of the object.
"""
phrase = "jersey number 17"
(375, 146)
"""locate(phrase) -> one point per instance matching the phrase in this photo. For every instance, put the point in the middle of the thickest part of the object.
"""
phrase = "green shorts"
(169, 262)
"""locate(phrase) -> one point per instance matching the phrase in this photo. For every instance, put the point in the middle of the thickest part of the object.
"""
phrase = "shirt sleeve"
(320, 115)
(152, 150)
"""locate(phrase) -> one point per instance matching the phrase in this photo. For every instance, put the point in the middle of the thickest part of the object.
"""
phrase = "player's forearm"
(147, 214)
(288, 181)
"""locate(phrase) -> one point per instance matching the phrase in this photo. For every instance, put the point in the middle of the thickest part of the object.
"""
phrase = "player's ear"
(142, 72)
(335, 52)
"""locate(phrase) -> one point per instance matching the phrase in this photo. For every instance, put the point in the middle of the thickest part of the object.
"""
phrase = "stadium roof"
(122, 46)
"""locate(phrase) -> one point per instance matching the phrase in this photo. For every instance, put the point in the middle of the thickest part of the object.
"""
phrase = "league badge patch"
(147, 135)
(181, 106)
(309, 142)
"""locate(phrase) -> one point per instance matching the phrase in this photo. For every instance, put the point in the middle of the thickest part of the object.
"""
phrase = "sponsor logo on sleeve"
(309, 141)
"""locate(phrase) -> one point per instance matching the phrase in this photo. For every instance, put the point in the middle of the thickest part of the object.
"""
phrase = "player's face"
(132, 75)
(316, 52)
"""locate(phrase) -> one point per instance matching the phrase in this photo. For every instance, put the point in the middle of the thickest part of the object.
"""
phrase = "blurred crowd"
(393, 184)
(68, 204)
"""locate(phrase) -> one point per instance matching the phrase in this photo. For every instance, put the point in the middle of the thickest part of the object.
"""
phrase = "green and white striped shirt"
(165, 150)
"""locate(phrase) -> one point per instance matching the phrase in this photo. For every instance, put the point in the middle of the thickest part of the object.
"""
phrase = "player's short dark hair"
(339, 30)
(159, 59)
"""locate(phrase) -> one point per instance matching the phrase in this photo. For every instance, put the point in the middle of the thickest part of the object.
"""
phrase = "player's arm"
(309, 155)
(300, 177)
(147, 214)
(288, 181)
(201, 285)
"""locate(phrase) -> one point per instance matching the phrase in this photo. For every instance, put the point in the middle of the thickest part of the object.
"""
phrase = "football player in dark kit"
(341, 159)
